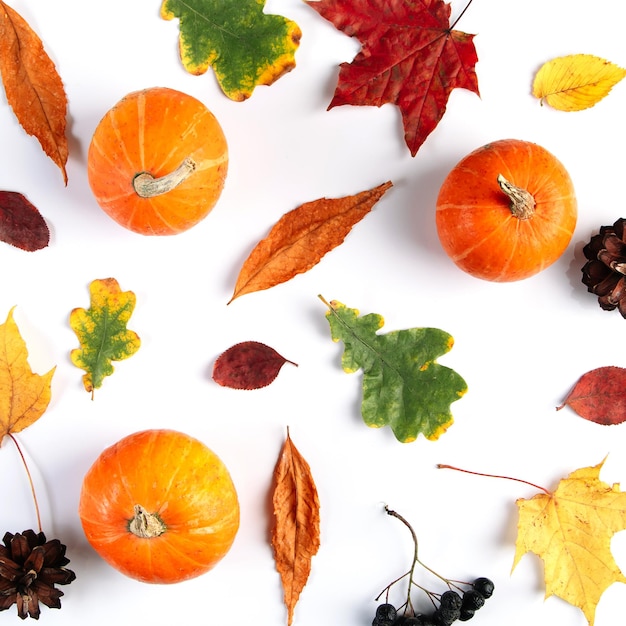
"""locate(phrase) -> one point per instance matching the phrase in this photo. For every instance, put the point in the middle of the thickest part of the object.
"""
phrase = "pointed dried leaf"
(21, 224)
(576, 82)
(245, 46)
(300, 239)
(409, 57)
(296, 530)
(33, 87)
(248, 365)
(403, 385)
(600, 396)
(102, 332)
(571, 531)
(24, 395)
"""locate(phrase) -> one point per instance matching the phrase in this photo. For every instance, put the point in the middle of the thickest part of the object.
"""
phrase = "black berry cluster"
(453, 605)
(458, 603)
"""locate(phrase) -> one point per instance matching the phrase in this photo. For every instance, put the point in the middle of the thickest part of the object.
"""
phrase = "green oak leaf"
(403, 386)
(102, 332)
(245, 46)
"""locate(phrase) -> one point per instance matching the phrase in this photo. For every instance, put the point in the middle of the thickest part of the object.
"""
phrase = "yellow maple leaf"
(24, 395)
(570, 530)
(576, 82)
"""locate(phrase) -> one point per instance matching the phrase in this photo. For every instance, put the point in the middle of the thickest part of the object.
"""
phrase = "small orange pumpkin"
(157, 161)
(159, 506)
(506, 211)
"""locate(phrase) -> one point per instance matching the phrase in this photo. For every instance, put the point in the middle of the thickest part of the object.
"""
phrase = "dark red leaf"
(21, 224)
(409, 57)
(248, 365)
(600, 396)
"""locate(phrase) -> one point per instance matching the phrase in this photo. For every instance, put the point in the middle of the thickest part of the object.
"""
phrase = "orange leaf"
(296, 531)
(32, 85)
(24, 396)
(300, 239)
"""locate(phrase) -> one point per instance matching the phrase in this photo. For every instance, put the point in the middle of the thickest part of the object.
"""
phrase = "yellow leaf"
(24, 396)
(102, 333)
(576, 82)
(571, 530)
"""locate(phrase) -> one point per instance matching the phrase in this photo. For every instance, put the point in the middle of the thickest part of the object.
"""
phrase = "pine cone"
(605, 271)
(30, 566)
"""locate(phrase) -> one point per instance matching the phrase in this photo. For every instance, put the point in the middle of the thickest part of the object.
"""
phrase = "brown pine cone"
(605, 271)
(30, 566)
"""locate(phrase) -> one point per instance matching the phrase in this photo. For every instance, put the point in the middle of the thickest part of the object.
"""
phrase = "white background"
(520, 346)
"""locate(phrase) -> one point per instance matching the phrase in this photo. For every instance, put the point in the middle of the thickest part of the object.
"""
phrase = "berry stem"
(518, 480)
(415, 562)
(30, 480)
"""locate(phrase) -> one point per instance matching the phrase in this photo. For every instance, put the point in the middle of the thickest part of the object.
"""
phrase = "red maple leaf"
(410, 56)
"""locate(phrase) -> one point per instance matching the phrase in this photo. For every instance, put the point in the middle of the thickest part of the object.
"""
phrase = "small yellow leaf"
(24, 395)
(576, 82)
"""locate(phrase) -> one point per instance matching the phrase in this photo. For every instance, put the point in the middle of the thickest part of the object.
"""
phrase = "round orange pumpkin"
(157, 161)
(506, 211)
(159, 506)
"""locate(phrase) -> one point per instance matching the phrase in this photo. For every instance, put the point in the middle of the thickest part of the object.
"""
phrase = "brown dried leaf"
(300, 239)
(296, 531)
(33, 87)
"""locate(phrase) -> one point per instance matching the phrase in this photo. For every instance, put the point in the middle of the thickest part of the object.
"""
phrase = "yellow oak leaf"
(570, 529)
(24, 395)
(576, 82)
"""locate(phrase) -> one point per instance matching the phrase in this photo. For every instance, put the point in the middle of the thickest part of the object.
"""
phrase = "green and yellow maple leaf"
(102, 332)
(24, 395)
(571, 529)
(403, 386)
(245, 46)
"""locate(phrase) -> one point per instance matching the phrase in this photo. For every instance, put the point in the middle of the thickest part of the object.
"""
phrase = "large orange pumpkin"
(159, 506)
(506, 211)
(157, 161)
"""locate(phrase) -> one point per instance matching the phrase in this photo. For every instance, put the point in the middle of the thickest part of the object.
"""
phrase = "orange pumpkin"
(159, 506)
(157, 161)
(506, 211)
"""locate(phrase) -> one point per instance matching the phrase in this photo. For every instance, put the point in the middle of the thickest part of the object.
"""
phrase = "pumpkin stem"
(522, 202)
(147, 186)
(146, 525)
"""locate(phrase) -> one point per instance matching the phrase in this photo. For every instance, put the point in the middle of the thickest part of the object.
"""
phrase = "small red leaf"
(21, 224)
(248, 365)
(600, 396)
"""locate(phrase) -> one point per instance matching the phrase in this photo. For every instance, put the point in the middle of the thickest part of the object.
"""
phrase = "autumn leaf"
(600, 396)
(102, 332)
(33, 86)
(245, 46)
(576, 82)
(296, 529)
(410, 56)
(403, 385)
(248, 365)
(299, 240)
(24, 395)
(21, 224)
(570, 529)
